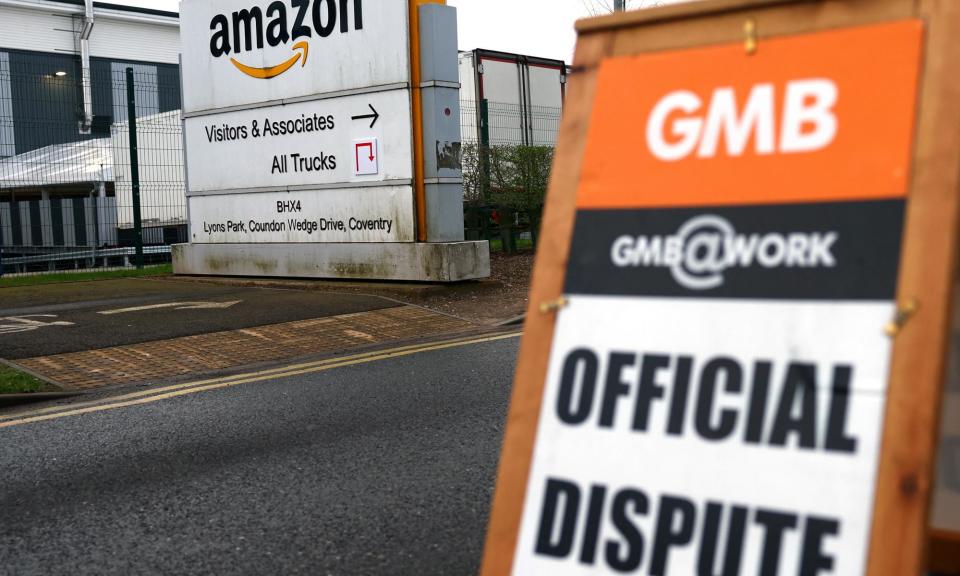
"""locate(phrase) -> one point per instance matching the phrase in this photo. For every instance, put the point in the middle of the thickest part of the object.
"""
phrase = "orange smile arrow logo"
(273, 71)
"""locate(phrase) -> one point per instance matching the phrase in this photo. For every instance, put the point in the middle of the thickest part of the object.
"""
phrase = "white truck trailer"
(524, 96)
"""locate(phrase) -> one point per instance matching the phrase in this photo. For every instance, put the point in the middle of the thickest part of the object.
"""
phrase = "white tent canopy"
(90, 161)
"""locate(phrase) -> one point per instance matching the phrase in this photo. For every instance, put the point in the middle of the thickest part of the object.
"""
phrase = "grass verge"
(496, 244)
(17, 382)
(38, 279)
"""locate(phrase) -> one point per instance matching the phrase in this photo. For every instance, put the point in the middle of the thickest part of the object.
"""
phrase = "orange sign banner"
(804, 119)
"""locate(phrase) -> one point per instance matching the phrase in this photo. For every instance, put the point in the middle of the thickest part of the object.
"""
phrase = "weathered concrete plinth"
(416, 262)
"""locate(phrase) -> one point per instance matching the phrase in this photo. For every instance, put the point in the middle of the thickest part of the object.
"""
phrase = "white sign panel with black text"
(731, 361)
(709, 430)
(353, 139)
(368, 214)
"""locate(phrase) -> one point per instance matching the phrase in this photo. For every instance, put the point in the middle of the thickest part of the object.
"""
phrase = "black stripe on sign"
(825, 251)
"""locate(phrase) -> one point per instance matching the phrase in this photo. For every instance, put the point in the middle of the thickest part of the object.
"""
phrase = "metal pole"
(484, 151)
(1, 239)
(619, 5)
(134, 168)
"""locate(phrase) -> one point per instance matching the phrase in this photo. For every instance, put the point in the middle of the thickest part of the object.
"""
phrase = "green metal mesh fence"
(507, 155)
(66, 190)
(66, 198)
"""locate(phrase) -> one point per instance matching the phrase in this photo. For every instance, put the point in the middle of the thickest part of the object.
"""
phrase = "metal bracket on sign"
(750, 31)
(554, 305)
(901, 317)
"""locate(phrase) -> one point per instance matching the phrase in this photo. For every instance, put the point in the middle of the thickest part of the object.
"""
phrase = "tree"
(519, 176)
(600, 7)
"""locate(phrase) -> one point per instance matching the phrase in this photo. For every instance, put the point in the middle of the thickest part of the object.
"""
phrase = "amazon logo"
(295, 21)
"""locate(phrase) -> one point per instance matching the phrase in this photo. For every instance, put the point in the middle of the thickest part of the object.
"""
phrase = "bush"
(518, 178)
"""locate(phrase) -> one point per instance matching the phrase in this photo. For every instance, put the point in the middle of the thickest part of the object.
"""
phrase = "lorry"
(521, 96)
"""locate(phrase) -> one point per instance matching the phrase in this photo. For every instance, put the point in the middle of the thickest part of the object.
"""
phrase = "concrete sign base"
(417, 262)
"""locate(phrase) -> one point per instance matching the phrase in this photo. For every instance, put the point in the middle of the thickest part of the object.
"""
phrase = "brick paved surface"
(205, 353)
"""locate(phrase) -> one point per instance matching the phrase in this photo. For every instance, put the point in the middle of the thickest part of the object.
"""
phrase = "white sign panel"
(241, 52)
(308, 143)
(731, 361)
(372, 214)
(733, 451)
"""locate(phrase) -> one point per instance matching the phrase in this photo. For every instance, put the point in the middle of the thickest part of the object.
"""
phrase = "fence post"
(484, 151)
(134, 168)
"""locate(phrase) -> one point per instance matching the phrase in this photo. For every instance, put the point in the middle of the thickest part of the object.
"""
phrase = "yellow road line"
(217, 383)
(277, 370)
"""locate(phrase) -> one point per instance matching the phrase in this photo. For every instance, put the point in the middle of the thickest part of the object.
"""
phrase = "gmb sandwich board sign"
(733, 356)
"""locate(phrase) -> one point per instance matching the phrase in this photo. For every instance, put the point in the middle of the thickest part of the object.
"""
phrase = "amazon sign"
(246, 30)
(238, 52)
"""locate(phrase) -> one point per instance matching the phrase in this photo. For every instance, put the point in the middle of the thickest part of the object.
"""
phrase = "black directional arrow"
(375, 116)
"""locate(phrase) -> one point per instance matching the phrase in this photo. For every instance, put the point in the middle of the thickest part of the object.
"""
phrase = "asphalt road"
(378, 468)
(70, 315)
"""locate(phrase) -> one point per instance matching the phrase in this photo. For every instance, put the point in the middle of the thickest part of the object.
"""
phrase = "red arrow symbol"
(364, 145)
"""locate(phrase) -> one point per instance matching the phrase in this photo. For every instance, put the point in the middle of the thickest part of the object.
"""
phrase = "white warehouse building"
(62, 92)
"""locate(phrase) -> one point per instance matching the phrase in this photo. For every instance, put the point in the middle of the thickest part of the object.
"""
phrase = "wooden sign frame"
(899, 543)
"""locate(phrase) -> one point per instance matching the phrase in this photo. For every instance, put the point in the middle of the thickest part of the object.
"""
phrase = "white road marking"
(176, 305)
(16, 324)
